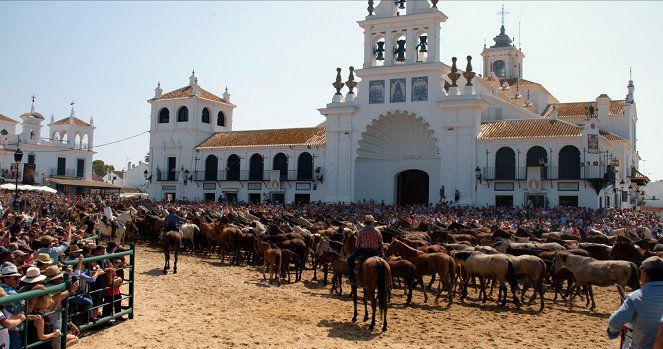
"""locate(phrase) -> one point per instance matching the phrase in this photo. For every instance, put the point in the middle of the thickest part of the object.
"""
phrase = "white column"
(410, 46)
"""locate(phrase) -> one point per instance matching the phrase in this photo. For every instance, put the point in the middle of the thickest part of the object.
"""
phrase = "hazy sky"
(278, 59)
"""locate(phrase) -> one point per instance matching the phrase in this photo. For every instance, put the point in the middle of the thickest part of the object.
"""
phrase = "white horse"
(190, 232)
(122, 219)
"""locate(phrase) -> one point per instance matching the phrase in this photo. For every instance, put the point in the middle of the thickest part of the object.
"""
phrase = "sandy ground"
(213, 305)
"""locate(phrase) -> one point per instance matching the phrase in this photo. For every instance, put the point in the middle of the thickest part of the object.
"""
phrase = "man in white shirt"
(109, 219)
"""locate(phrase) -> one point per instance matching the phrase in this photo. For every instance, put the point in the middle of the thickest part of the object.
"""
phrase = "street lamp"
(18, 156)
(477, 174)
(147, 176)
(621, 192)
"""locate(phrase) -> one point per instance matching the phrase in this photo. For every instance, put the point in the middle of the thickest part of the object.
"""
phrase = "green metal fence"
(64, 310)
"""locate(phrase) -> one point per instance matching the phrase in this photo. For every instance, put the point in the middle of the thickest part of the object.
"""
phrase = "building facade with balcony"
(407, 129)
(66, 154)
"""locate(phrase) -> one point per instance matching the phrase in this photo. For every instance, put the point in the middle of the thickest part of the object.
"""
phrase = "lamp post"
(18, 156)
(621, 192)
(477, 175)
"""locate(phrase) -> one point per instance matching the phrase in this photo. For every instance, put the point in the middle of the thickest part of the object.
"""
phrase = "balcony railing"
(547, 172)
(60, 172)
(168, 175)
(248, 175)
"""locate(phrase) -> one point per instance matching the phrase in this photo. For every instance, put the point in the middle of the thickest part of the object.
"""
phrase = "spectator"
(54, 252)
(8, 321)
(10, 281)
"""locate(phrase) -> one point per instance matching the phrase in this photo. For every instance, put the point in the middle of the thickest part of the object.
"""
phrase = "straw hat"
(91, 245)
(46, 239)
(52, 272)
(44, 258)
(33, 275)
(9, 270)
(369, 218)
(74, 249)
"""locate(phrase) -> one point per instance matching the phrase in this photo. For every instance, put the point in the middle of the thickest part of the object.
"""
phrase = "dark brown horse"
(375, 274)
(171, 242)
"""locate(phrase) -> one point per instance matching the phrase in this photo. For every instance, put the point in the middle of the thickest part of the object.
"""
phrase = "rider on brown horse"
(170, 222)
(368, 244)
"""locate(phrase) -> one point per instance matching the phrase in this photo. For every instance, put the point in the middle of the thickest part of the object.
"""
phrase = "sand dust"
(210, 305)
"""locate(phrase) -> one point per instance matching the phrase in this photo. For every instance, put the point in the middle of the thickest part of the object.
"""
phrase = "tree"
(100, 168)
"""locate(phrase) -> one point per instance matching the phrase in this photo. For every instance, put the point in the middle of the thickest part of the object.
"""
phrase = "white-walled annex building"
(406, 128)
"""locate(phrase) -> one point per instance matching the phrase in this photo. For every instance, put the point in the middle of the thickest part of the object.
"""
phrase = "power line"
(96, 146)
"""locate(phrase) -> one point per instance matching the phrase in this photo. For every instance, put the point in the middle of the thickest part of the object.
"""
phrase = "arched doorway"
(412, 188)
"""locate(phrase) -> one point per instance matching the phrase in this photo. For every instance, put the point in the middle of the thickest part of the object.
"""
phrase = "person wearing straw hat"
(54, 252)
(368, 244)
(43, 261)
(10, 281)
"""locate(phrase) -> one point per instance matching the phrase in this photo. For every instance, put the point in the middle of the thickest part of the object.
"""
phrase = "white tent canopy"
(27, 187)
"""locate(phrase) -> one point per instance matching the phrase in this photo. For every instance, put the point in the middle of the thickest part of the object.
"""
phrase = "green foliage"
(100, 168)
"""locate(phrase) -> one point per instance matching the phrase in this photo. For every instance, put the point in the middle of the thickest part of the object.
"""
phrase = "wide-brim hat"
(91, 245)
(9, 270)
(369, 218)
(74, 249)
(44, 258)
(52, 272)
(33, 275)
(46, 239)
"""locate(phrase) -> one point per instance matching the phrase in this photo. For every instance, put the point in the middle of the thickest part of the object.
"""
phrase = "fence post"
(132, 261)
(64, 314)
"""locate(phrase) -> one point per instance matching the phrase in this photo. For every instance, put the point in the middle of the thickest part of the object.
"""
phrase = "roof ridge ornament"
(351, 83)
(469, 74)
(32, 108)
(71, 115)
(454, 75)
(370, 7)
(338, 84)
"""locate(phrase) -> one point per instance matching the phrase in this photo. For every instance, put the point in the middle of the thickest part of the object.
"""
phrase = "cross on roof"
(502, 13)
(33, 98)
(72, 103)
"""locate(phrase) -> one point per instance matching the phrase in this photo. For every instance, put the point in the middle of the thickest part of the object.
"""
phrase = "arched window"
(183, 114)
(164, 116)
(499, 68)
(569, 163)
(211, 168)
(537, 156)
(305, 167)
(205, 117)
(505, 164)
(281, 164)
(232, 168)
(256, 167)
(220, 119)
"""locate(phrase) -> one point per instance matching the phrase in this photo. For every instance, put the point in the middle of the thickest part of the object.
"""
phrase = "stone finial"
(351, 83)
(226, 96)
(71, 115)
(338, 84)
(469, 74)
(554, 114)
(370, 7)
(32, 108)
(454, 75)
(434, 3)
(91, 120)
(158, 91)
(52, 118)
(193, 80)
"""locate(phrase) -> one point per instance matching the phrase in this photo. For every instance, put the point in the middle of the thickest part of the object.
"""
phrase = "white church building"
(406, 129)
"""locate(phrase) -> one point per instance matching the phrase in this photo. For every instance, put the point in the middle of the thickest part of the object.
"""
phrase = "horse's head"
(558, 262)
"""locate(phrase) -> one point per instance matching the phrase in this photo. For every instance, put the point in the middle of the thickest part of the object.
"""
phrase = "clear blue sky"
(278, 59)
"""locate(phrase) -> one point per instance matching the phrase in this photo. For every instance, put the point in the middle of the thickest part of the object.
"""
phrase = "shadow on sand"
(354, 331)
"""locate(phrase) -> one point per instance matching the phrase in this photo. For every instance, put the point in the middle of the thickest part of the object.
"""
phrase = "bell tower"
(402, 33)
(503, 58)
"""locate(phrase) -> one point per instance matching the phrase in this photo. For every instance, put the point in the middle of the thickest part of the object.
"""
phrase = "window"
(537, 156)
(256, 167)
(172, 172)
(305, 167)
(205, 118)
(499, 68)
(164, 116)
(211, 166)
(80, 168)
(183, 114)
(569, 163)
(232, 168)
(281, 164)
(220, 119)
(505, 164)
(62, 163)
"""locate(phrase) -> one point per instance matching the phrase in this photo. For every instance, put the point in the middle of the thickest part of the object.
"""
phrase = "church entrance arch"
(412, 188)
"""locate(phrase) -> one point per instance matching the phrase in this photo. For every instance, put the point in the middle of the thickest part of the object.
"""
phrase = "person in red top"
(368, 244)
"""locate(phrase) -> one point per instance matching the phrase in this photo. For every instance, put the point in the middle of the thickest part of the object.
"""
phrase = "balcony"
(61, 172)
(168, 176)
(548, 172)
(247, 175)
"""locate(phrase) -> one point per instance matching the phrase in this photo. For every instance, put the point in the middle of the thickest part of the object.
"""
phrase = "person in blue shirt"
(54, 251)
(643, 308)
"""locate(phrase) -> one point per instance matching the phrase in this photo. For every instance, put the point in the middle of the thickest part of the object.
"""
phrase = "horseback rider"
(109, 219)
(368, 244)
(170, 222)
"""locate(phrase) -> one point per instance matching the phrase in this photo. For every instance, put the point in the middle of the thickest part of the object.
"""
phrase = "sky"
(278, 59)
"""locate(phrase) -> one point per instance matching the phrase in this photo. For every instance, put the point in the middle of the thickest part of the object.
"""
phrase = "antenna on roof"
(520, 17)
(630, 77)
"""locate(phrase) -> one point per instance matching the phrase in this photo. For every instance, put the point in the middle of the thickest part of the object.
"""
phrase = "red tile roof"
(611, 136)
(528, 128)
(519, 82)
(187, 91)
(311, 136)
(579, 109)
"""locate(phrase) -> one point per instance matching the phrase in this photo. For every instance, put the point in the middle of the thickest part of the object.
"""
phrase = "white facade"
(134, 176)
(66, 153)
(412, 130)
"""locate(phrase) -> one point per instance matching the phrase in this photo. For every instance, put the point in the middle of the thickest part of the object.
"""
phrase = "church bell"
(379, 51)
(400, 51)
(401, 4)
(423, 43)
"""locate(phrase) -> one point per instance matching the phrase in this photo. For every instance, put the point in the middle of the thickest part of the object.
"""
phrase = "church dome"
(502, 40)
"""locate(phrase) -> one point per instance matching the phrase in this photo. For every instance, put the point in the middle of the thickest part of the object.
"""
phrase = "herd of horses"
(458, 256)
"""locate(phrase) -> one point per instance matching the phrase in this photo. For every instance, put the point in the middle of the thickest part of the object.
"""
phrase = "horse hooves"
(384, 328)
(165, 272)
(371, 327)
(174, 271)
(354, 319)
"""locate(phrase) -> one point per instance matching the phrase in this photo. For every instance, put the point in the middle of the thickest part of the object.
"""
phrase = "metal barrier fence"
(64, 310)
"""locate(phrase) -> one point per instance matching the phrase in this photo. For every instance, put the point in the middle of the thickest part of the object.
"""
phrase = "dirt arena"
(210, 305)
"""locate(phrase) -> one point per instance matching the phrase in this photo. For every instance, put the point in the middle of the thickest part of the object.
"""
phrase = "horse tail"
(171, 239)
(634, 280)
(452, 275)
(383, 292)
(510, 274)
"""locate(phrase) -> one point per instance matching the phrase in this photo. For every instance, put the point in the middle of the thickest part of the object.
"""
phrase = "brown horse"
(273, 257)
(428, 264)
(374, 274)
(171, 241)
